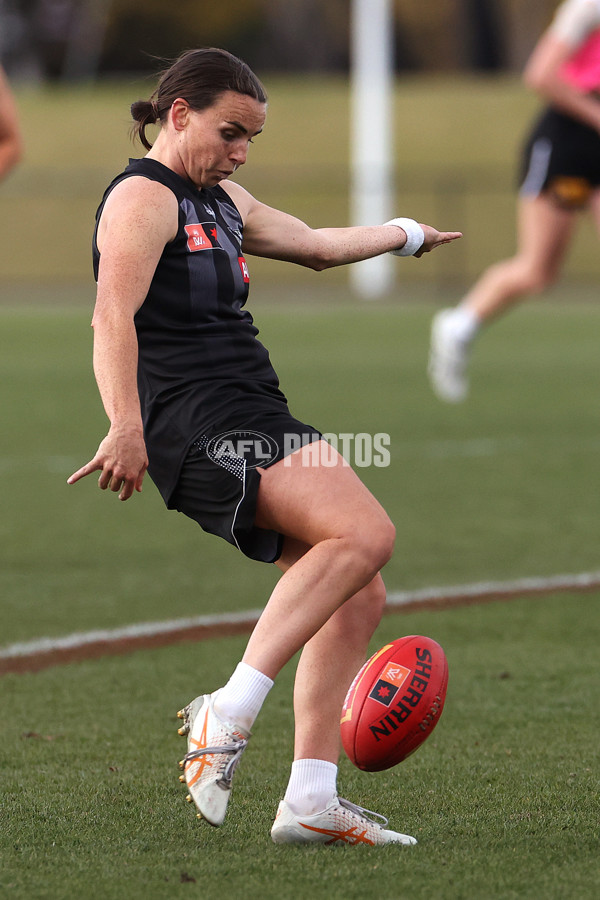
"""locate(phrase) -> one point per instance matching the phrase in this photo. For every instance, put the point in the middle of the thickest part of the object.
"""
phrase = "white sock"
(312, 784)
(465, 323)
(240, 701)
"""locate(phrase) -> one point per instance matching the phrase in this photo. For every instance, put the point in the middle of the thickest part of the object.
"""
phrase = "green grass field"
(504, 797)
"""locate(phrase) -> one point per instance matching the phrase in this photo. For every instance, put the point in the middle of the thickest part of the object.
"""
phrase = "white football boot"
(214, 751)
(340, 824)
(448, 356)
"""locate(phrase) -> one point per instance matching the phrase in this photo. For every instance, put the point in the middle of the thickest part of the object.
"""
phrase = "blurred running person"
(11, 144)
(187, 386)
(560, 177)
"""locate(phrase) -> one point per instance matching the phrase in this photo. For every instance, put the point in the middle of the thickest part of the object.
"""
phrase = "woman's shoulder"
(575, 19)
(135, 197)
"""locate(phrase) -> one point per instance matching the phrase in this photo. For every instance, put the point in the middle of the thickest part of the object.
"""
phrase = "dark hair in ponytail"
(200, 77)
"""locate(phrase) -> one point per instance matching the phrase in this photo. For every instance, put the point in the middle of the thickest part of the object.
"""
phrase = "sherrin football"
(394, 703)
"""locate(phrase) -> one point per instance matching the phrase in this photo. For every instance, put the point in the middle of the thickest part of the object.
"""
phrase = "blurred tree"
(304, 35)
(55, 39)
(525, 20)
(13, 37)
(51, 24)
(483, 32)
(463, 34)
(432, 34)
(138, 33)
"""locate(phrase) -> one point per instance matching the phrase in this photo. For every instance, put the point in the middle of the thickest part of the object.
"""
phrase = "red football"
(394, 703)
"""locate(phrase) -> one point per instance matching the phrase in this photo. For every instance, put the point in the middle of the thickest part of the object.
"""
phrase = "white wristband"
(415, 236)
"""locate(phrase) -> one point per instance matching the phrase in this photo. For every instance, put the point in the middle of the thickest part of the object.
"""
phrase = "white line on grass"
(128, 632)
(239, 621)
(483, 589)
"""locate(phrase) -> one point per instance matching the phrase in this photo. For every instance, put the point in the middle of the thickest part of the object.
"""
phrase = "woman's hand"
(435, 238)
(121, 460)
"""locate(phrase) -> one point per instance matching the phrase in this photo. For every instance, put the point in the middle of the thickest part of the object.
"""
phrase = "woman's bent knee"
(538, 281)
(387, 542)
(377, 599)
(374, 547)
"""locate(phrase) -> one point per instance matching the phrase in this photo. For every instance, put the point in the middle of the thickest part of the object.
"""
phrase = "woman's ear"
(179, 114)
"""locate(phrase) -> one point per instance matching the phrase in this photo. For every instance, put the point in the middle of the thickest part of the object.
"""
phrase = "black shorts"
(219, 479)
(561, 157)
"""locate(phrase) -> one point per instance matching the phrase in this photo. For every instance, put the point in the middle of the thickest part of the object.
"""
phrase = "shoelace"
(368, 814)
(226, 769)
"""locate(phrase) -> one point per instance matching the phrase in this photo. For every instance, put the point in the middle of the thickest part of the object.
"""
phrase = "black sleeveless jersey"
(201, 368)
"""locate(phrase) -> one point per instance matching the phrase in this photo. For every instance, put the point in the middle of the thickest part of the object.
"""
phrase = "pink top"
(583, 69)
(577, 22)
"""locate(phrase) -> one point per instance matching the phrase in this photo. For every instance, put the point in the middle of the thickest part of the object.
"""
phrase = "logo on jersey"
(201, 237)
(244, 269)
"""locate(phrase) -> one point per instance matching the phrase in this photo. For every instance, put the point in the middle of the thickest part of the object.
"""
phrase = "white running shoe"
(214, 751)
(340, 824)
(448, 357)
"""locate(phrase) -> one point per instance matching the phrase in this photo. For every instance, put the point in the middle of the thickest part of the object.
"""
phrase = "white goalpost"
(371, 135)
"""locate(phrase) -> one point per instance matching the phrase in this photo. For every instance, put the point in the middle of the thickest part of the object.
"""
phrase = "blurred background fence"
(73, 39)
